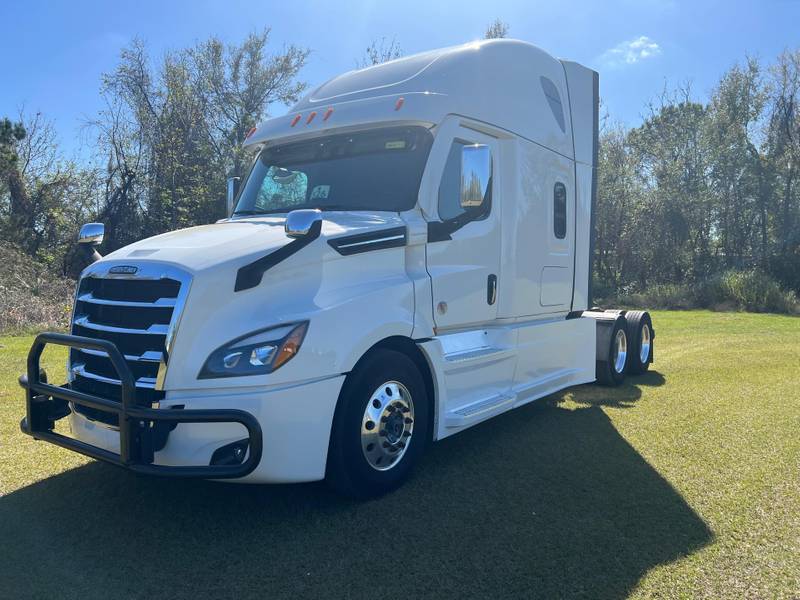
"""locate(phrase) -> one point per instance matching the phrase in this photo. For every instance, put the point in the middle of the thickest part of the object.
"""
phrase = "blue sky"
(52, 55)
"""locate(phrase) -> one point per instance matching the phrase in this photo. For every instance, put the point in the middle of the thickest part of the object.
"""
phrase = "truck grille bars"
(136, 312)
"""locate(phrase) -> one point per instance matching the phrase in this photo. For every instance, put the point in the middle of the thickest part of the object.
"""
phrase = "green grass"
(682, 483)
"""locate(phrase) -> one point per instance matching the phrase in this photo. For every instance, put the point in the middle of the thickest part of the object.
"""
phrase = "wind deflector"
(249, 276)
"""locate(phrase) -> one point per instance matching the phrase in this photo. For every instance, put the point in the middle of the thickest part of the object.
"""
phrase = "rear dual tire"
(612, 360)
(641, 335)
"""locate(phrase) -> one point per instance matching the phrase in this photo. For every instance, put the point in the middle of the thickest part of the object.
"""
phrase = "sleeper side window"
(466, 186)
(560, 211)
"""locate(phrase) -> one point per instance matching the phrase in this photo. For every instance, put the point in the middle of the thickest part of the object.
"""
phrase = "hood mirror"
(90, 237)
(230, 193)
(92, 234)
(303, 222)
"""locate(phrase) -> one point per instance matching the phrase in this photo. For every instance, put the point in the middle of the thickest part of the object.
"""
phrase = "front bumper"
(135, 448)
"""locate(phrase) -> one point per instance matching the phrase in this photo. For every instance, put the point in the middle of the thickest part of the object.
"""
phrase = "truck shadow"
(540, 502)
(623, 396)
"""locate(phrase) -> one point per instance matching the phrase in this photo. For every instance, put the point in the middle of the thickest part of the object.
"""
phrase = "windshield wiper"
(259, 212)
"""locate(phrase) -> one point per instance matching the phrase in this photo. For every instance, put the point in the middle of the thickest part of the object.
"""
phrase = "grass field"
(682, 483)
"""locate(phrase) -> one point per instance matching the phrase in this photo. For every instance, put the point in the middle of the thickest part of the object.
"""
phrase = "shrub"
(662, 295)
(754, 291)
(30, 296)
(750, 290)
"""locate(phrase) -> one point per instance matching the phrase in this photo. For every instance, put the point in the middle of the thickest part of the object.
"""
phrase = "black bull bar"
(46, 403)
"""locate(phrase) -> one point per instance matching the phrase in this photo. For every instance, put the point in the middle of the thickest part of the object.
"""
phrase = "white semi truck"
(409, 255)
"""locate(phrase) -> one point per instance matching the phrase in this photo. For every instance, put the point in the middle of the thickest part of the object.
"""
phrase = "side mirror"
(303, 222)
(89, 238)
(92, 234)
(231, 191)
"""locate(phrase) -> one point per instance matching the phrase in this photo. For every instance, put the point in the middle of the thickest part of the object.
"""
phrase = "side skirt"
(481, 374)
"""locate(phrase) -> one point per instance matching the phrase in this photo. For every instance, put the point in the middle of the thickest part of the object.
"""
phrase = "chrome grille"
(137, 314)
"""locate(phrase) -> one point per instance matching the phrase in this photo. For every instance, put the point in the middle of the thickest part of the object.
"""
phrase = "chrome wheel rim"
(620, 351)
(644, 346)
(387, 425)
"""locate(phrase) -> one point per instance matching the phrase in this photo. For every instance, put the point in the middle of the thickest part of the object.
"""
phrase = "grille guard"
(47, 403)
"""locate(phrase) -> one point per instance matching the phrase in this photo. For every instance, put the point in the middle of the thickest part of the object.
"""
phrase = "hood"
(241, 240)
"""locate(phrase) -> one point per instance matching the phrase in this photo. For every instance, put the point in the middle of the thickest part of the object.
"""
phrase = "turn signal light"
(291, 345)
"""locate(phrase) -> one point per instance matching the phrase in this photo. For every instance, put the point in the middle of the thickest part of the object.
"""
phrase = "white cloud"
(630, 52)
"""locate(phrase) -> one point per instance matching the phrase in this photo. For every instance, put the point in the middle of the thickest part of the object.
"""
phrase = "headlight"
(256, 353)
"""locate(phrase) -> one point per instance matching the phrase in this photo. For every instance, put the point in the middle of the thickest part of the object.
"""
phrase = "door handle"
(491, 289)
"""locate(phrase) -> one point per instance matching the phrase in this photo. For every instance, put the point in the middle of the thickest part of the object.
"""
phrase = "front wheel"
(380, 426)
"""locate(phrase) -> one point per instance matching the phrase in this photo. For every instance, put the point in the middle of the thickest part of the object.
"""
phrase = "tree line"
(698, 189)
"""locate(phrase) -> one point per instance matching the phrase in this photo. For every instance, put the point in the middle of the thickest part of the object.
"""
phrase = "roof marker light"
(327, 114)
(311, 117)
(399, 104)
(251, 132)
(296, 119)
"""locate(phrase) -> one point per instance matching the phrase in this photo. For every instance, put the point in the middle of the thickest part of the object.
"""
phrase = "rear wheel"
(380, 425)
(612, 365)
(640, 328)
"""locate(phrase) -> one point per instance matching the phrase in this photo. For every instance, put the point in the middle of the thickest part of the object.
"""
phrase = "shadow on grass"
(540, 502)
(623, 396)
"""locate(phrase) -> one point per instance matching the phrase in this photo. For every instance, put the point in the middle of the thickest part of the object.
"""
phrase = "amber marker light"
(291, 345)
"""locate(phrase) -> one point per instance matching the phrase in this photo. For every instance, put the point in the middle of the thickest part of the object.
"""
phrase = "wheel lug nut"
(369, 425)
(409, 421)
(404, 409)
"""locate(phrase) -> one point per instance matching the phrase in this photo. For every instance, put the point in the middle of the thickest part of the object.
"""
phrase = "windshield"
(371, 170)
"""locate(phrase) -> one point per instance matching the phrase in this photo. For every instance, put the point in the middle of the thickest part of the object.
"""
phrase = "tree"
(171, 132)
(379, 51)
(496, 29)
(669, 156)
(41, 196)
(782, 149)
(11, 134)
(738, 172)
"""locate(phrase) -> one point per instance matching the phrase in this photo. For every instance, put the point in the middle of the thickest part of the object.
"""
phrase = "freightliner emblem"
(123, 270)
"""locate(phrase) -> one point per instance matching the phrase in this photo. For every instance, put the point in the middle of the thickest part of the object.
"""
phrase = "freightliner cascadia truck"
(408, 256)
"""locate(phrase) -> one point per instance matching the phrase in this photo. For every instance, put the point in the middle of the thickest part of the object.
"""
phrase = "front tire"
(380, 426)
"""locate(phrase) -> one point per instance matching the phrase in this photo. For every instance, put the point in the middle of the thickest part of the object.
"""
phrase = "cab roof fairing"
(498, 82)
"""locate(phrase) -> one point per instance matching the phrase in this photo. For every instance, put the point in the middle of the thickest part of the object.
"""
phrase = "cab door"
(463, 250)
